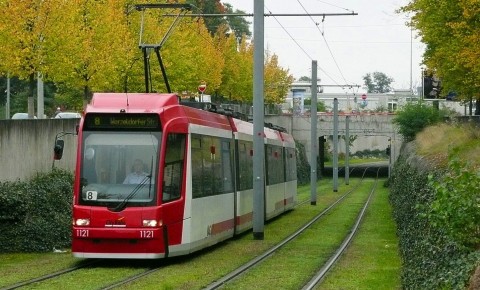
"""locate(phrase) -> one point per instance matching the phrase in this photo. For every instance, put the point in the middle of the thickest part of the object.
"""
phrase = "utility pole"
(40, 97)
(347, 149)
(335, 144)
(313, 136)
(7, 107)
(258, 123)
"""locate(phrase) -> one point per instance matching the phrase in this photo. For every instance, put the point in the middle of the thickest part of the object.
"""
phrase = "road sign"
(202, 88)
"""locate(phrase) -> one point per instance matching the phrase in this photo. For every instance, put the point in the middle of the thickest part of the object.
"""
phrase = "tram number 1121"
(82, 233)
(146, 234)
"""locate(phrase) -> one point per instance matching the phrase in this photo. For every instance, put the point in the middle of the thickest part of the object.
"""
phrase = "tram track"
(325, 269)
(81, 265)
(259, 259)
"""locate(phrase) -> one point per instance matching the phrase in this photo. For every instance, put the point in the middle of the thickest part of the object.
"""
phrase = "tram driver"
(138, 173)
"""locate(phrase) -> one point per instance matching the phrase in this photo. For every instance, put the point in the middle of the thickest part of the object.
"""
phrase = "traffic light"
(432, 86)
(388, 150)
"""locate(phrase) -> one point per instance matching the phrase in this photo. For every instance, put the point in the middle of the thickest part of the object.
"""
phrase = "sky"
(346, 48)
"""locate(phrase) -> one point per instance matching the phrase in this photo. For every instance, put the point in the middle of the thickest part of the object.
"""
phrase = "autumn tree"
(227, 44)
(377, 82)
(450, 31)
(191, 58)
(244, 87)
(24, 40)
(85, 46)
(239, 25)
(94, 46)
(277, 80)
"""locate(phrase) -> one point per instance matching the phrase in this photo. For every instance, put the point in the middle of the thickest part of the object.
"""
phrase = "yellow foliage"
(93, 46)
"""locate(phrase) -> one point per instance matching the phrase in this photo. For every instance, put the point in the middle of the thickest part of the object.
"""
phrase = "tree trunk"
(470, 106)
(31, 92)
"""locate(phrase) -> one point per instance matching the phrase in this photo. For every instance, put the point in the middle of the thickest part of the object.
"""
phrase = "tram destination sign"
(95, 121)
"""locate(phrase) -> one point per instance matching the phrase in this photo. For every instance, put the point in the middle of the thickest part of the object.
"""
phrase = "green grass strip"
(18, 267)
(372, 261)
(294, 264)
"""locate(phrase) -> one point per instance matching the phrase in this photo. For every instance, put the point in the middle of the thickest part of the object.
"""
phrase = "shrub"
(456, 202)
(367, 153)
(415, 116)
(36, 215)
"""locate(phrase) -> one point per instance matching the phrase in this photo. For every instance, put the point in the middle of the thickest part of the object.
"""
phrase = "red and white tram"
(155, 178)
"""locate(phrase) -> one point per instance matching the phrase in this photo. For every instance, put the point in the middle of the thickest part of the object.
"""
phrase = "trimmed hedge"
(35, 216)
(431, 258)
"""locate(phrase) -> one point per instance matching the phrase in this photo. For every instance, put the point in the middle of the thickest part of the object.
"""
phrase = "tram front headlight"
(150, 223)
(82, 222)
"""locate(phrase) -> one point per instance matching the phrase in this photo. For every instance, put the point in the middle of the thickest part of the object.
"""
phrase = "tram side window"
(173, 169)
(275, 166)
(208, 167)
(211, 166)
(290, 164)
(227, 172)
(197, 166)
(245, 165)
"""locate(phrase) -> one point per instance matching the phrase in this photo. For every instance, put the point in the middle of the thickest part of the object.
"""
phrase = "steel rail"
(50, 276)
(320, 275)
(256, 261)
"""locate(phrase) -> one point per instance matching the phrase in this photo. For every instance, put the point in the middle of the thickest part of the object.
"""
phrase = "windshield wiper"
(150, 181)
(121, 206)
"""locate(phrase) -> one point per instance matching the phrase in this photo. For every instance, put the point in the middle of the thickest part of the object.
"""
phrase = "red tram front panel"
(117, 235)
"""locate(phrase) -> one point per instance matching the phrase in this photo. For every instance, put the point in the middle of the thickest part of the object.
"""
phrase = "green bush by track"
(35, 216)
(432, 259)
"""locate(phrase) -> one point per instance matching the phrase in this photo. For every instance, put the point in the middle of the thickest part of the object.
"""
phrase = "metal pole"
(258, 123)
(7, 108)
(411, 59)
(40, 97)
(390, 157)
(423, 85)
(335, 144)
(347, 149)
(313, 136)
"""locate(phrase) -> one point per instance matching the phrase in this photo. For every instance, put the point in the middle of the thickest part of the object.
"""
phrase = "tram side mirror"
(58, 149)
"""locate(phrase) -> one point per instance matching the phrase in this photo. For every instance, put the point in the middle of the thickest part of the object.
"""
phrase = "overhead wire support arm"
(140, 7)
(145, 47)
(162, 67)
(266, 14)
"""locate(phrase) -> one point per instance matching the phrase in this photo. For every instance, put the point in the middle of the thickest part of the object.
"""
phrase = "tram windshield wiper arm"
(150, 180)
(121, 206)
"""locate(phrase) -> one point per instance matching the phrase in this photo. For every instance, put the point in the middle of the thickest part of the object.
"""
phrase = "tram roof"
(130, 102)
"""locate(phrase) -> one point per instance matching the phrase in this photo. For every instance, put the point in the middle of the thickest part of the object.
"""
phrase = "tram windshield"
(119, 167)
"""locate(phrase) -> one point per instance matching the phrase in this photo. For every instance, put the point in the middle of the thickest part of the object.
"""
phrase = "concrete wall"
(372, 131)
(26, 147)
